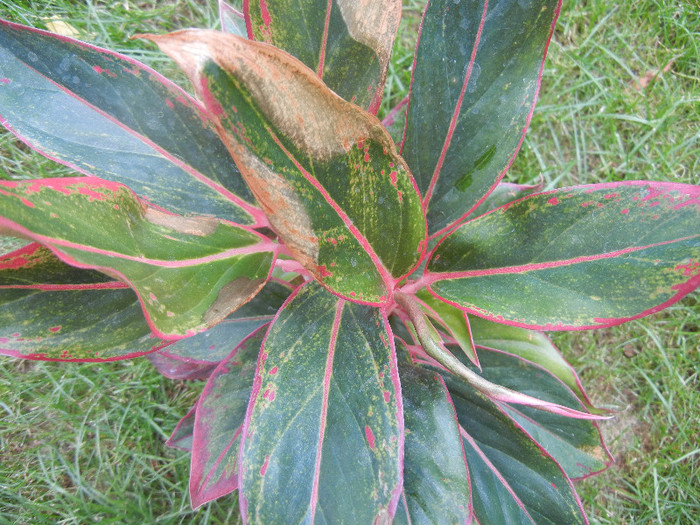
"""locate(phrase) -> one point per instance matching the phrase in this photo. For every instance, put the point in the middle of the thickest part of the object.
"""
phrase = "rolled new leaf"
(50, 311)
(107, 115)
(474, 84)
(346, 42)
(575, 444)
(532, 346)
(453, 320)
(326, 173)
(434, 347)
(581, 257)
(189, 273)
(513, 470)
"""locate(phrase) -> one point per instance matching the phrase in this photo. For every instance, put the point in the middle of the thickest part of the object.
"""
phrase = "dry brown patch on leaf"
(231, 297)
(280, 203)
(291, 96)
(373, 24)
(199, 226)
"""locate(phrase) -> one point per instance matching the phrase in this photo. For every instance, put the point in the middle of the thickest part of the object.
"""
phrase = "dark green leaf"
(513, 480)
(181, 438)
(218, 423)
(346, 42)
(589, 256)
(576, 444)
(52, 311)
(325, 419)
(326, 173)
(475, 80)
(436, 482)
(395, 121)
(504, 193)
(189, 273)
(107, 115)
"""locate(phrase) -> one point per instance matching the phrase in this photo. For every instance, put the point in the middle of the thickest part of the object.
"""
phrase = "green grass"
(592, 125)
(82, 443)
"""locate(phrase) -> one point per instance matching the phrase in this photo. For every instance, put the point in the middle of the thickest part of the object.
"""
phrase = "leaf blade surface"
(327, 379)
(513, 480)
(107, 115)
(326, 173)
(189, 273)
(218, 420)
(475, 80)
(50, 311)
(582, 257)
(436, 480)
(346, 42)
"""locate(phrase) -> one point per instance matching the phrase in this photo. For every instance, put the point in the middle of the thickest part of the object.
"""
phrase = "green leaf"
(232, 19)
(346, 42)
(582, 257)
(453, 320)
(436, 482)
(195, 357)
(475, 80)
(174, 368)
(531, 345)
(107, 115)
(576, 444)
(189, 273)
(504, 193)
(512, 479)
(395, 121)
(54, 312)
(326, 173)
(181, 438)
(218, 342)
(218, 421)
(325, 418)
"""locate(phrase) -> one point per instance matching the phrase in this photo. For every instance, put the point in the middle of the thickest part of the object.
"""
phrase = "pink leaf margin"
(17, 259)
(266, 244)
(255, 394)
(426, 198)
(201, 490)
(180, 96)
(683, 289)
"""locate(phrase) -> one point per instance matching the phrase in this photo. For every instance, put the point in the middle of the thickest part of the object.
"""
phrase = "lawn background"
(84, 443)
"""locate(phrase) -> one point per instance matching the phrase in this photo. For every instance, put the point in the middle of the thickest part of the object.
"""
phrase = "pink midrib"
(266, 246)
(328, 372)
(387, 278)
(451, 227)
(430, 278)
(324, 41)
(455, 114)
(495, 471)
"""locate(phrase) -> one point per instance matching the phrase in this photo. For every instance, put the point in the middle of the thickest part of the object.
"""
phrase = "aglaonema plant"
(366, 307)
